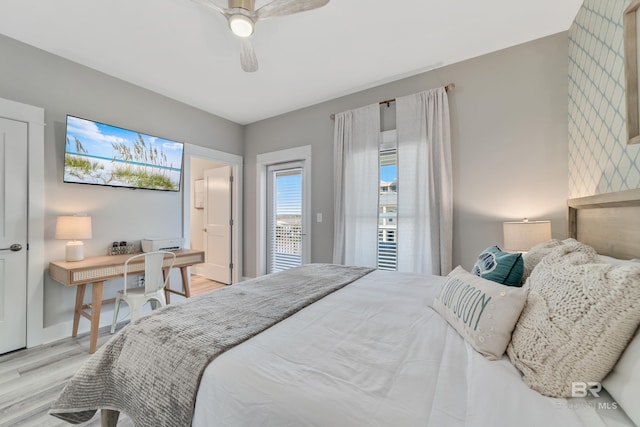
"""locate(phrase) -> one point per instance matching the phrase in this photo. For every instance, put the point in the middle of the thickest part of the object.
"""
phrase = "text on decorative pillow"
(464, 300)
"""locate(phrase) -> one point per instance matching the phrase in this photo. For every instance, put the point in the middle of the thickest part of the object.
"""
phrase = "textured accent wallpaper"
(600, 161)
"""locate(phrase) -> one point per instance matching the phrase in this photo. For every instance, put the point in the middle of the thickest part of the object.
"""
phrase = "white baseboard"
(63, 330)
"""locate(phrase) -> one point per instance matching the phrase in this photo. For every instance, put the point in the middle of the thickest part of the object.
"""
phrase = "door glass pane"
(388, 211)
(286, 220)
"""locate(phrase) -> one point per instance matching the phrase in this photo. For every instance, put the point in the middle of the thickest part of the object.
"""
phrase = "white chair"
(154, 282)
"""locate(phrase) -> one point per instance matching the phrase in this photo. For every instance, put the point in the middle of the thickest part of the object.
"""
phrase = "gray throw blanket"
(151, 370)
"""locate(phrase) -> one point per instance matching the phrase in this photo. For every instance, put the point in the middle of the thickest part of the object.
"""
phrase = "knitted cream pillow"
(623, 382)
(578, 318)
(535, 255)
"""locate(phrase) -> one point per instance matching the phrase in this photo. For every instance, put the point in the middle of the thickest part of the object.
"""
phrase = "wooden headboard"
(610, 223)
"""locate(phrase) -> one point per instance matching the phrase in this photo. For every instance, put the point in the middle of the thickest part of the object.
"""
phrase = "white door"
(217, 219)
(285, 216)
(13, 235)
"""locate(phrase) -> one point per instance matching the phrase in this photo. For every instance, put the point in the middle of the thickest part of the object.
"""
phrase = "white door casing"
(13, 234)
(217, 227)
(236, 163)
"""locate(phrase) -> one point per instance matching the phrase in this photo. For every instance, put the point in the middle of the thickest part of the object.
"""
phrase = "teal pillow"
(498, 266)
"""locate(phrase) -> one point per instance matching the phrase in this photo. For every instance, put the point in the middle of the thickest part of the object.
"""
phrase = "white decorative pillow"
(623, 383)
(579, 317)
(482, 311)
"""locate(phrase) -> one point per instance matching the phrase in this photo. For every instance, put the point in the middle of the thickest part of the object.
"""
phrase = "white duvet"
(374, 354)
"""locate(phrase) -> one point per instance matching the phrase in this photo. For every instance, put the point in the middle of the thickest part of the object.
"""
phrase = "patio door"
(285, 216)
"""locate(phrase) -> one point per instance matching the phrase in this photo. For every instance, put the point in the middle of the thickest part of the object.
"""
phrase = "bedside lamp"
(523, 235)
(73, 228)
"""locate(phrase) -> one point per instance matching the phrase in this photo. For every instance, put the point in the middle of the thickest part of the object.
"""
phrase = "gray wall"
(509, 145)
(509, 136)
(62, 87)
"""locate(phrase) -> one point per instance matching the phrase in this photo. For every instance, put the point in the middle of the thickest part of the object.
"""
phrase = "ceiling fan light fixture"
(241, 25)
(242, 16)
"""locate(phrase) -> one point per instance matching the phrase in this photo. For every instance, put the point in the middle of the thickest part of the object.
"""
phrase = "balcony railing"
(289, 239)
(387, 248)
(287, 250)
(387, 256)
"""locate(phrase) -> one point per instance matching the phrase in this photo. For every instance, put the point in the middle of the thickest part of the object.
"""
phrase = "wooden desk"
(97, 270)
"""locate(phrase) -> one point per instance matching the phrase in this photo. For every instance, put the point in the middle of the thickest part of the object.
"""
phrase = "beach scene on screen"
(97, 153)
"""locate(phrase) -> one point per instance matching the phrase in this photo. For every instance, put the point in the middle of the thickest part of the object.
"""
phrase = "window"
(388, 204)
(417, 236)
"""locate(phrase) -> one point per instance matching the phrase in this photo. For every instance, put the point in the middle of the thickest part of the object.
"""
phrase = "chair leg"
(116, 309)
(157, 302)
(135, 308)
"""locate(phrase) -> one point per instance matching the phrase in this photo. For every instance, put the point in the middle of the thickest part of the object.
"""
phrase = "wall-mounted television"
(101, 154)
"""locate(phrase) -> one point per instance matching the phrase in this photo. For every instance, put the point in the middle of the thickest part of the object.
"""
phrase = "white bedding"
(375, 354)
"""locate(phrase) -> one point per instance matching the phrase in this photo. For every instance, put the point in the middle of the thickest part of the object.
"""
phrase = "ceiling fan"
(242, 17)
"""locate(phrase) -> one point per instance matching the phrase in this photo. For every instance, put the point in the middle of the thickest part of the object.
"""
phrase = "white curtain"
(424, 183)
(355, 166)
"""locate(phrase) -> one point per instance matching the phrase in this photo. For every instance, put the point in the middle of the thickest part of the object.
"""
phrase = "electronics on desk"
(162, 244)
(121, 248)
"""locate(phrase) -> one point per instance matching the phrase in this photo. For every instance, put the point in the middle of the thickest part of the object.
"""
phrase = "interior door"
(13, 235)
(217, 229)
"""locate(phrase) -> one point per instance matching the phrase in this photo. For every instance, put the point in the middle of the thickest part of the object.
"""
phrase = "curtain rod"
(448, 88)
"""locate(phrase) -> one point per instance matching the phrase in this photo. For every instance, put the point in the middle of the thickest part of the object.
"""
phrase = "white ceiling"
(185, 51)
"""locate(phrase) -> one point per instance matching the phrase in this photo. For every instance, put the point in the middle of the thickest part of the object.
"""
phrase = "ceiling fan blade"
(212, 5)
(287, 7)
(248, 59)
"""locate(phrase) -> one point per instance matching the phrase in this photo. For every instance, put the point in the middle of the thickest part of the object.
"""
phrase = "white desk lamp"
(523, 235)
(74, 228)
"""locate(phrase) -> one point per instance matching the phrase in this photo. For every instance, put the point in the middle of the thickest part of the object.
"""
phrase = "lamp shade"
(73, 228)
(523, 235)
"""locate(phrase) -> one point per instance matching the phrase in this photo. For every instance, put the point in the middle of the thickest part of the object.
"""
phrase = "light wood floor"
(31, 379)
(200, 285)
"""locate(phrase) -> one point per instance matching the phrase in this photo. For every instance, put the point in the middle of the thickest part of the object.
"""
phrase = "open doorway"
(211, 222)
(212, 209)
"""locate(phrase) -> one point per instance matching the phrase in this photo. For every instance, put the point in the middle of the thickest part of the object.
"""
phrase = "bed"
(370, 351)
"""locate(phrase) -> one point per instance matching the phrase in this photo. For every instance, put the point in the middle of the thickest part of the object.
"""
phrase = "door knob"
(15, 248)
